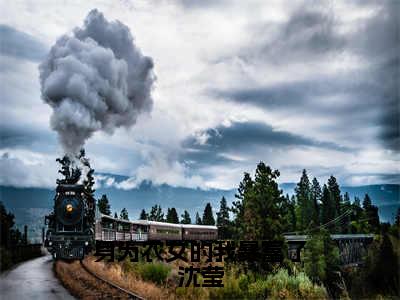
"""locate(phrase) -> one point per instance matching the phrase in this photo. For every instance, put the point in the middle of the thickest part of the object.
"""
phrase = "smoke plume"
(96, 79)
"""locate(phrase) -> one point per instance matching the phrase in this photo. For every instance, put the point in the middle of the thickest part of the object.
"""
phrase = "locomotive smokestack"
(96, 79)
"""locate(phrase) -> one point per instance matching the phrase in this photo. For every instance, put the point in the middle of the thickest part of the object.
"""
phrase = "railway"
(129, 294)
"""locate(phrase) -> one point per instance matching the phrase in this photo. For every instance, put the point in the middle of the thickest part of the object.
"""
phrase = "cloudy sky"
(296, 84)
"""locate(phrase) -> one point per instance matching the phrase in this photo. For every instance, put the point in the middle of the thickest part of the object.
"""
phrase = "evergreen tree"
(346, 206)
(208, 217)
(381, 269)
(223, 223)
(336, 201)
(292, 212)
(186, 218)
(263, 206)
(316, 195)
(143, 215)
(89, 182)
(327, 206)
(124, 214)
(198, 219)
(104, 205)
(321, 259)
(314, 258)
(358, 220)
(371, 212)
(244, 192)
(303, 195)
(115, 215)
(6, 222)
(172, 216)
(156, 214)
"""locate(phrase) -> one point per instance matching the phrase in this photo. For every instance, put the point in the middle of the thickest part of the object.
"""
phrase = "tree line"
(261, 211)
(156, 214)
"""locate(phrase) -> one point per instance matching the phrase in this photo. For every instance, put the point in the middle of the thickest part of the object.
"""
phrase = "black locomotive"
(74, 226)
(70, 233)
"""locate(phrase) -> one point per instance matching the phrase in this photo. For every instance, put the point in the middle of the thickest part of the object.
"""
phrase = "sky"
(297, 84)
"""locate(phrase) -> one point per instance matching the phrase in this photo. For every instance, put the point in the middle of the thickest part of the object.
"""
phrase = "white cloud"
(25, 169)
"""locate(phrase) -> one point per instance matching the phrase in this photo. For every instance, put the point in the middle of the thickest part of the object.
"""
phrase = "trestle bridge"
(352, 247)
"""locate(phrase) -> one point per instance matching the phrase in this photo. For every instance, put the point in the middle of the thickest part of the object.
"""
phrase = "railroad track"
(120, 289)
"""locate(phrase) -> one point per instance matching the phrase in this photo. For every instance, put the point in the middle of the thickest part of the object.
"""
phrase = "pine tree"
(89, 183)
(346, 206)
(208, 217)
(358, 220)
(336, 201)
(321, 258)
(172, 216)
(124, 214)
(292, 213)
(244, 192)
(104, 205)
(156, 214)
(327, 206)
(198, 219)
(143, 215)
(316, 195)
(371, 212)
(303, 195)
(263, 206)
(6, 223)
(381, 269)
(223, 222)
(186, 218)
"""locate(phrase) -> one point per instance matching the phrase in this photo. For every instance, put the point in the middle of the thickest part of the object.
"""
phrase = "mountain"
(30, 205)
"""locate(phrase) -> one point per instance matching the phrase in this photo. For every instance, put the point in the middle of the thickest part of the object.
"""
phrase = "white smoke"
(96, 79)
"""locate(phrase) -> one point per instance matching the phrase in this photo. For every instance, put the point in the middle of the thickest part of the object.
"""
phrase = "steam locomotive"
(70, 233)
(75, 224)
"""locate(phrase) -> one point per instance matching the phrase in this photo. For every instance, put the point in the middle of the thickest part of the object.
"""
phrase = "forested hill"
(28, 200)
(385, 196)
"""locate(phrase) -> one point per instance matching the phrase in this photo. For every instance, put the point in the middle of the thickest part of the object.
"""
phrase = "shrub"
(234, 288)
(283, 286)
(258, 289)
(155, 272)
(244, 282)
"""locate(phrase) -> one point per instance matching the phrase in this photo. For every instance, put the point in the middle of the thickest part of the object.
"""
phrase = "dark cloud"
(17, 136)
(199, 158)
(306, 95)
(359, 99)
(378, 41)
(20, 45)
(246, 135)
(310, 34)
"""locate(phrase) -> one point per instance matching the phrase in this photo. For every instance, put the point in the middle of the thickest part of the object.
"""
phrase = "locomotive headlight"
(69, 208)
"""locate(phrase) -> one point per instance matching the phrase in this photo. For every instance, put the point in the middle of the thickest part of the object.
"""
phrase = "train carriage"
(112, 229)
(199, 232)
(164, 231)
